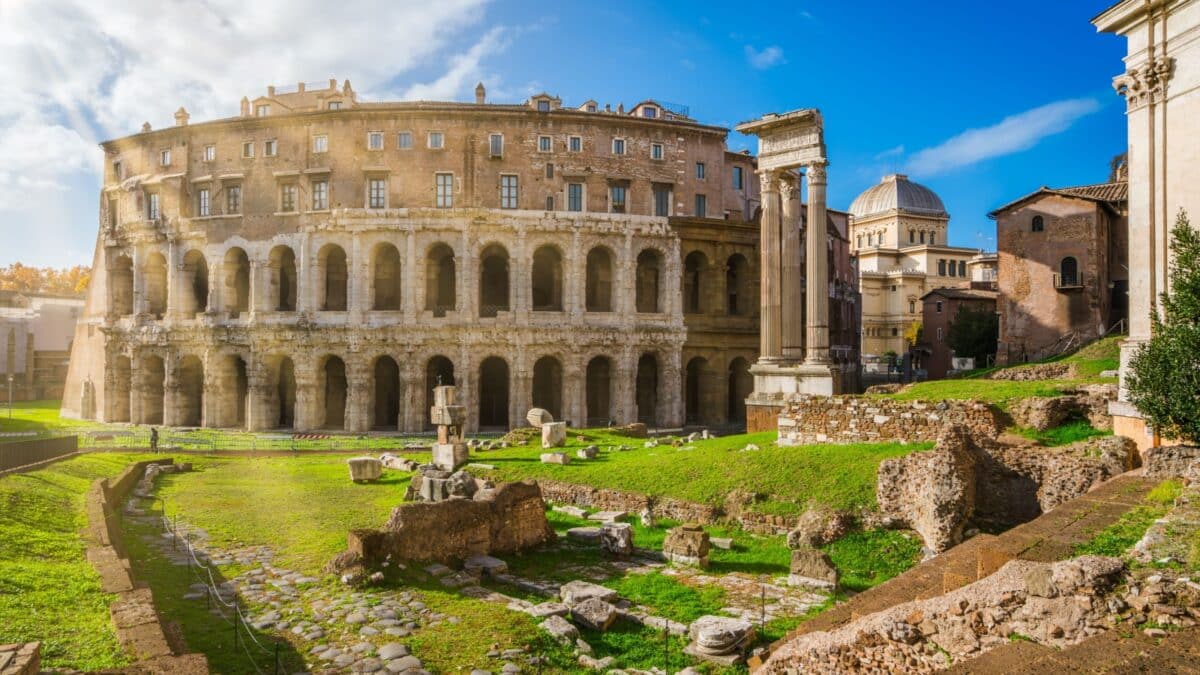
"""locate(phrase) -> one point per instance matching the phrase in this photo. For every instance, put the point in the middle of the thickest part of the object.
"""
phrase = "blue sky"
(980, 102)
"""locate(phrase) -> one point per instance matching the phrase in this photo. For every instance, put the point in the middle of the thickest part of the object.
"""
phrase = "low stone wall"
(855, 419)
(18, 454)
(1042, 371)
(21, 659)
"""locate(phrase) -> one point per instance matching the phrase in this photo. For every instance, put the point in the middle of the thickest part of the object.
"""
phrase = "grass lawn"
(48, 590)
(1116, 539)
(1071, 432)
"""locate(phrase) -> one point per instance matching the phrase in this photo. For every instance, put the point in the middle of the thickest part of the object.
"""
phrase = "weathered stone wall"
(629, 502)
(21, 659)
(854, 419)
(17, 454)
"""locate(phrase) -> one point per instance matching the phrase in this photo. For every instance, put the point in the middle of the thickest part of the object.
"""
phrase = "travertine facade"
(322, 263)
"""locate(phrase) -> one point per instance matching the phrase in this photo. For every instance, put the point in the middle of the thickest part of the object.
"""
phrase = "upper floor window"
(662, 200)
(377, 193)
(575, 144)
(941, 268)
(649, 112)
(962, 268)
(152, 212)
(233, 199)
(287, 197)
(575, 197)
(164, 158)
(270, 148)
(333, 105)
(247, 149)
(545, 144)
(262, 110)
(922, 237)
(543, 106)
(912, 236)
(444, 183)
(938, 306)
(202, 203)
(320, 195)
(591, 107)
(656, 151)
(699, 170)
(118, 170)
(912, 306)
(739, 178)
(550, 202)
(320, 143)
(939, 333)
(1069, 272)
(618, 193)
(1037, 225)
(932, 238)
(404, 140)
(496, 145)
(701, 206)
(618, 146)
(210, 153)
(437, 140)
(375, 140)
(508, 191)
(549, 170)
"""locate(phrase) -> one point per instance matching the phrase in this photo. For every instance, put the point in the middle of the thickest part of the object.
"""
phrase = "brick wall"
(853, 419)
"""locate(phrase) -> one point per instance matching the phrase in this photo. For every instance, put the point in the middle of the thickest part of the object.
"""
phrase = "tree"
(1163, 380)
(25, 279)
(912, 334)
(974, 333)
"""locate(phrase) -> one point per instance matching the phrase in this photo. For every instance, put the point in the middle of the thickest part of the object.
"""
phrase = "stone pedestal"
(450, 452)
(450, 456)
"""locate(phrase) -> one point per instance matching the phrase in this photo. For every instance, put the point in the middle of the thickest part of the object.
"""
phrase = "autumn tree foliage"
(65, 281)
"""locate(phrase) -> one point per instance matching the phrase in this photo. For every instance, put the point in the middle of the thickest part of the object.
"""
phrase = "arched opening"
(547, 385)
(191, 391)
(1068, 271)
(386, 394)
(647, 389)
(493, 393)
(697, 392)
(195, 276)
(648, 273)
(332, 390)
(694, 266)
(1038, 224)
(439, 371)
(386, 282)
(155, 272)
(599, 280)
(236, 384)
(599, 392)
(737, 285)
(546, 288)
(153, 376)
(741, 384)
(493, 281)
(439, 280)
(237, 282)
(120, 284)
(285, 394)
(121, 389)
(331, 263)
(283, 279)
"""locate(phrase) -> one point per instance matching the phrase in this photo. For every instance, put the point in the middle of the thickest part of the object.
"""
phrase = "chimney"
(480, 94)
(346, 88)
(620, 108)
(271, 90)
(300, 88)
(245, 107)
(181, 117)
(145, 127)
(333, 83)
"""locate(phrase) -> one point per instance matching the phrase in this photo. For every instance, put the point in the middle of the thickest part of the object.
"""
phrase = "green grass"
(842, 476)
(48, 590)
(1116, 539)
(868, 558)
(41, 417)
(665, 596)
(1066, 434)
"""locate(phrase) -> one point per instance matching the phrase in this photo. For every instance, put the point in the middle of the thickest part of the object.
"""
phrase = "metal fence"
(31, 451)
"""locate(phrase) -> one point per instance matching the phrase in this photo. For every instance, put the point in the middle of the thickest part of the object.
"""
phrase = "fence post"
(276, 658)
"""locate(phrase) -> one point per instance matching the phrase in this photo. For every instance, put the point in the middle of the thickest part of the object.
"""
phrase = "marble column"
(817, 287)
(769, 298)
(790, 278)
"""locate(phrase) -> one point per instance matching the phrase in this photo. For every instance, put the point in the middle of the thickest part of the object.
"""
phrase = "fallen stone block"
(485, 564)
(569, 510)
(617, 539)
(588, 534)
(554, 434)
(364, 469)
(560, 629)
(607, 516)
(575, 592)
(589, 452)
(812, 568)
(555, 458)
(537, 417)
(594, 613)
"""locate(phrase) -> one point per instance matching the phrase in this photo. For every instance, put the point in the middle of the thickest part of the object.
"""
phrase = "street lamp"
(10, 380)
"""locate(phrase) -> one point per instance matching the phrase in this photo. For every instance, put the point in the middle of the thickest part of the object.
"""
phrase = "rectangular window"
(445, 190)
(649, 112)
(333, 105)
(618, 198)
(575, 197)
(118, 170)
(962, 268)
(247, 149)
(508, 192)
(375, 140)
(287, 197)
(662, 200)
(270, 148)
(938, 306)
(377, 193)
(941, 268)
(549, 171)
(202, 205)
(953, 269)
(210, 153)
(152, 206)
(262, 110)
(496, 145)
(939, 333)
(550, 203)
(320, 143)
(591, 107)
(618, 146)
(543, 106)
(699, 170)
(656, 151)
(164, 158)
(738, 178)
(701, 206)
(545, 144)
(320, 195)
(575, 144)
(437, 140)
(233, 199)
(404, 140)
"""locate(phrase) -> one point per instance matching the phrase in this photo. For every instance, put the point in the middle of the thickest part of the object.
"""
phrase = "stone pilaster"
(790, 277)
(412, 286)
(670, 389)
(171, 395)
(770, 301)
(262, 405)
(359, 385)
(306, 394)
(817, 287)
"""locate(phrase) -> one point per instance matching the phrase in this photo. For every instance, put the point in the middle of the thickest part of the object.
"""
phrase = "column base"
(775, 382)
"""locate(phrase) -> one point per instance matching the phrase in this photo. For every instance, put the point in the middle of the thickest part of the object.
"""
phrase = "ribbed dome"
(898, 192)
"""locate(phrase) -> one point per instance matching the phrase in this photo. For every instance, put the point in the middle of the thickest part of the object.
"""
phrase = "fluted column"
(790, 296)
(817, 287)
(769, 296)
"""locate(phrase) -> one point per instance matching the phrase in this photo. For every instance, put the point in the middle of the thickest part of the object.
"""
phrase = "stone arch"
(439, 370)
(195, 278)
(282, 262)
(646, 389)
(386, 278)
(120, 286)
(237, 281)
(386, 394)
(599, 281)
(155, 284)
(121, 389)
(546, 280)
(598, 385)
(333, 274)
(649, 281)
(547, 385)
(153, 374)
(493, 280)
(190, 379)
(741, 384)
(440, 292)
(698, 391)
(332, 390)
(493, 393)
(695, 271)
(285, 393)
(737, 285)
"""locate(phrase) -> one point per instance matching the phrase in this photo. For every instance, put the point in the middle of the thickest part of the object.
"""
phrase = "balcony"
(1067, 282)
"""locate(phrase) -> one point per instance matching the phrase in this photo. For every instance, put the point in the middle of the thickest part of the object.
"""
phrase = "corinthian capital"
(816, 173)
(768, 180)
(788, 185)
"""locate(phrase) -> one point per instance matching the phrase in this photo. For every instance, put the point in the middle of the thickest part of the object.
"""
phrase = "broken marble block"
(617, 539)
(554, 434)
(560, 629)
(485, 564)
(575, 592)
(555, 458)
(687, 544)
(364, 469)
(589, 452)
(537, 417)
(594, 613)
(450, 456)
(719, 639)
(812, 568)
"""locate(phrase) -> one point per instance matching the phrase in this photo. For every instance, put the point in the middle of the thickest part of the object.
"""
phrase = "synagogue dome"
(896, 192)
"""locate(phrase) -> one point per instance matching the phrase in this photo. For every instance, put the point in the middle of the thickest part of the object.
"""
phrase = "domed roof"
(898, 192)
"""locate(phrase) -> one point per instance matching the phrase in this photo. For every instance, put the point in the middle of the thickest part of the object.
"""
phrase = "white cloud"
(891, 152)
(79, 71)
(769, 56)
(1012, 134)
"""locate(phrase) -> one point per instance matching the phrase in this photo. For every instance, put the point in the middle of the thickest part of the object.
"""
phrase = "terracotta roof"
(1106, 193)
(963, 294)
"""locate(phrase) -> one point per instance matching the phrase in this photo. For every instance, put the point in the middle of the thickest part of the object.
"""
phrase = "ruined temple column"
(769, 293)
(790, 278)
(358, 280)
(817, 287)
